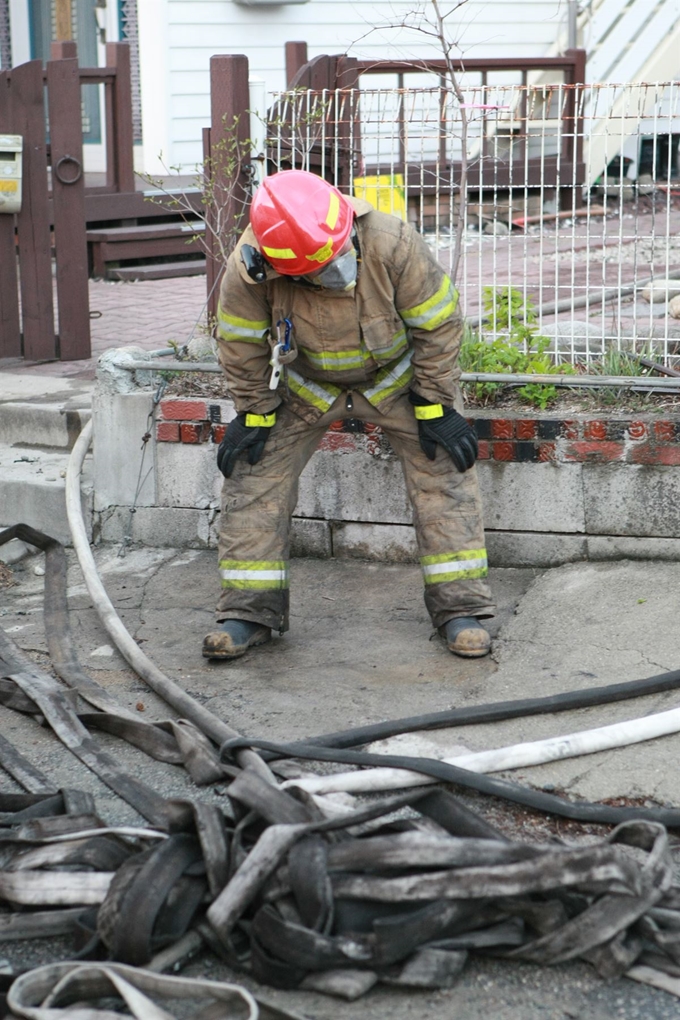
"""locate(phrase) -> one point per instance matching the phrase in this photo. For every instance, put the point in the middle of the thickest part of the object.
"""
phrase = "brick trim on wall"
(580, 439)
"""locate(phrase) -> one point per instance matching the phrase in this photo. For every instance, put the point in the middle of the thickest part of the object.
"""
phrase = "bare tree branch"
(428, 20)
(446, 46)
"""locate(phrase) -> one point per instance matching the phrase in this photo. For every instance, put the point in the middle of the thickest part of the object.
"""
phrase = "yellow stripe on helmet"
(279, 253)
(333, 211)
(323, 254)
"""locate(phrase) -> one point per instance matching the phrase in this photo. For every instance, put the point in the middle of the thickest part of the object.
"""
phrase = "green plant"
(522, 352)
(620, 363)
(508, 309)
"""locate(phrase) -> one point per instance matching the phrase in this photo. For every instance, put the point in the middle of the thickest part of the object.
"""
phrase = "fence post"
(27, 106)
(229, 152)
(573, 135)
(68, 207)
(579, 78)
(63, 49)
(296, 57)
(119, 132)
(10, 325)
(348, 133)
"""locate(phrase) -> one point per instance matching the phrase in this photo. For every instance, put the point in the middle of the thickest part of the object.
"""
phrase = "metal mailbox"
(11, 148)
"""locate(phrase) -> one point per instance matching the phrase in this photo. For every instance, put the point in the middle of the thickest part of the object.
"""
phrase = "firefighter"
(331, 310)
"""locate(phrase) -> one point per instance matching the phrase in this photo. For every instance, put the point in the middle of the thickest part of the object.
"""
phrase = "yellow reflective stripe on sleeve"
(333, 211)
(425, 412)
(431, 313)
(279, 253)
(254, 574)
(231, 327)
(321, 397)
(264, 420)
(337, 361)
(454, 566)
(389, 380)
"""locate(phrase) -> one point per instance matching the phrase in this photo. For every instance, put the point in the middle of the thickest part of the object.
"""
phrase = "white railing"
(550, 210)
(622, 36)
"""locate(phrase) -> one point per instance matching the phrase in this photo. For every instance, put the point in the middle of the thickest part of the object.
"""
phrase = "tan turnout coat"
(400, 327)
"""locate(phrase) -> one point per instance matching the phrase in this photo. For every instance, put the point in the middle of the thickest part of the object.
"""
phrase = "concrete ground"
(361, 649)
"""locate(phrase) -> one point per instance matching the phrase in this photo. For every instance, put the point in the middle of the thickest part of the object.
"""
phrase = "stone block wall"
(554, 489)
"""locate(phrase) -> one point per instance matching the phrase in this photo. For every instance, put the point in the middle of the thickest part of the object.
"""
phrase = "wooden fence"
(565, 170)
(340, 149)
(53, 211)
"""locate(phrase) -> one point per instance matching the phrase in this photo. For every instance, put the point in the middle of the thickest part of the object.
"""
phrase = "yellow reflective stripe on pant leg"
(431, 313)
(254, 574)
(454, 566)
(321, 397)
(231, 327)
(389, 380)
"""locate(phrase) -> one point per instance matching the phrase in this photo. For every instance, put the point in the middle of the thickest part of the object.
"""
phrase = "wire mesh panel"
(571, 196)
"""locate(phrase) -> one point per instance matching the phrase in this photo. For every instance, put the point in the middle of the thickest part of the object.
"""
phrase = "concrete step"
(34, 425)
(158, 270)
(32, 490)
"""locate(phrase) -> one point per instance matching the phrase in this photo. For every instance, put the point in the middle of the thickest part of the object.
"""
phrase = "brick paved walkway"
(147, 314)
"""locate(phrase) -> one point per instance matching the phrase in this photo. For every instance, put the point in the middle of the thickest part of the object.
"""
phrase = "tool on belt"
(283, 351)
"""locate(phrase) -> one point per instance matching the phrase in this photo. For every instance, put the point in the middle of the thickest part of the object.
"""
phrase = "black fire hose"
(498, 710)
(579, 811)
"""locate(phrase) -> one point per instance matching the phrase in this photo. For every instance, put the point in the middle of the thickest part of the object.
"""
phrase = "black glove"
(444, 426)
(245, 432)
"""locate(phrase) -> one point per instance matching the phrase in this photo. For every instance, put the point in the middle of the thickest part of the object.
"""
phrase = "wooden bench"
(109, 246)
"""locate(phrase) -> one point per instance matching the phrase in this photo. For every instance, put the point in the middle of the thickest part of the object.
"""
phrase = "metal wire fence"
(571, 197)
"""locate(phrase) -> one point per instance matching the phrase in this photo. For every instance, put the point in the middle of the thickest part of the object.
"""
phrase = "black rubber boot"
(234, 638)
(466, 636)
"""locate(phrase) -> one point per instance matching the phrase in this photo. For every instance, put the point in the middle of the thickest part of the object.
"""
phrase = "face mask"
(340, 274)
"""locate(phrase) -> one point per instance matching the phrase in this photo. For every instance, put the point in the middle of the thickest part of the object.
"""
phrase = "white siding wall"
(197, 29)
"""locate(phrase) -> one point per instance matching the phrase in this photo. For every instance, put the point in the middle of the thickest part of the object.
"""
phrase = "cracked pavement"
(361, 649)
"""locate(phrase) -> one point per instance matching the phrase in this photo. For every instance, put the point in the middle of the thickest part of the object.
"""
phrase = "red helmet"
(300, 221)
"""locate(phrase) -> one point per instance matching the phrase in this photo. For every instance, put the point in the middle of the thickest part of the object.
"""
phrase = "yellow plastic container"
(385, 192)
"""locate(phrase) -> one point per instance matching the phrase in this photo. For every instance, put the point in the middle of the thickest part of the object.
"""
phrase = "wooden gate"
(40, 103)
(27, 320)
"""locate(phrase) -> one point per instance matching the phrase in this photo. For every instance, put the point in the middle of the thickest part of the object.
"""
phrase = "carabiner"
(284, 345)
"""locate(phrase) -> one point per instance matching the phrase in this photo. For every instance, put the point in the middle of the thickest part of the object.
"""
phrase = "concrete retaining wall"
(554, 490)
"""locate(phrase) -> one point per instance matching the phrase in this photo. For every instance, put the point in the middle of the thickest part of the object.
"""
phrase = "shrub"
(521, 352)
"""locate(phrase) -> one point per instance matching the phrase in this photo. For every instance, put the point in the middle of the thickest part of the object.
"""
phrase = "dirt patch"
(6, 576)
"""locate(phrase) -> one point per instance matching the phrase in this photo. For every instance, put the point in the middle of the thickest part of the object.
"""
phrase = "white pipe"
(536, 752)
(169, 691)
(572, 25)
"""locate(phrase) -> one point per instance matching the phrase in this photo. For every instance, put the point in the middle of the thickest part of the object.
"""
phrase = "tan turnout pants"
(258, 501)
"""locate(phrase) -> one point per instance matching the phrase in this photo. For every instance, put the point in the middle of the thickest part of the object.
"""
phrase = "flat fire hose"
(176, 743)
(331, 905)
(170, 692)
(69, 982)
